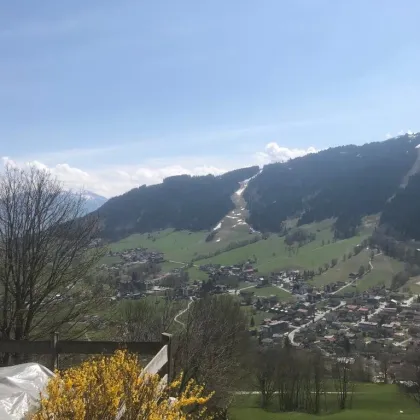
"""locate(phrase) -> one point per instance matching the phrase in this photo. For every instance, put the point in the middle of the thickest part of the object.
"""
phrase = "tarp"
(20, 387)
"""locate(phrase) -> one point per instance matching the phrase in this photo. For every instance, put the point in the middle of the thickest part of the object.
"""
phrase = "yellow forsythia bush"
(97, 389)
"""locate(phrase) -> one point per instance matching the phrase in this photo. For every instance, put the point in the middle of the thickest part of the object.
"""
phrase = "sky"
(110, 95)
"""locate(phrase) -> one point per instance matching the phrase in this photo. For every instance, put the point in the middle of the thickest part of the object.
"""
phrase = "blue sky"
(111, 94)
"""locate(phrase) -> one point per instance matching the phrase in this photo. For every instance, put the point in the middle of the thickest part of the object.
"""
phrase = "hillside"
(180, 202)
(402, 213)
(345, 182)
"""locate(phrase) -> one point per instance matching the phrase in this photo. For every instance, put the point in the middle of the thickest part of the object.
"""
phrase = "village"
(311, 316)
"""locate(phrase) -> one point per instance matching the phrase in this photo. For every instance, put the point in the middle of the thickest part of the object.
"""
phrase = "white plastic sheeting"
(20, 386)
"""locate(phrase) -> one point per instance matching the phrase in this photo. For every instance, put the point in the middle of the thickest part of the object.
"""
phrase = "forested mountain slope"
(402, 213)
(180, 202)
(345, 182)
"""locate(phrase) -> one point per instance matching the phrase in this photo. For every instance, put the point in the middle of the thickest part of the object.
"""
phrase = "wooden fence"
(161, 350)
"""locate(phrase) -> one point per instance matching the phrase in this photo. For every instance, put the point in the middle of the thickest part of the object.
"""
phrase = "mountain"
(180, 202)
(93, 201)
(345, 183)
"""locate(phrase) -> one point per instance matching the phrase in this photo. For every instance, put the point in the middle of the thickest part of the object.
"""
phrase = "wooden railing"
(161, 350)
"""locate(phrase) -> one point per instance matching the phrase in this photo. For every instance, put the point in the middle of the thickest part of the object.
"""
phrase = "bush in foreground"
(97, 389)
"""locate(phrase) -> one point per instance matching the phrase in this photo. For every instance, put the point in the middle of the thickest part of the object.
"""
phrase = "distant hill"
(180, 202)
(345, 183)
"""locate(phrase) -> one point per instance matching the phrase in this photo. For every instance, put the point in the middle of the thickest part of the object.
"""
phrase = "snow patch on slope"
(218, 226)
(235, 218)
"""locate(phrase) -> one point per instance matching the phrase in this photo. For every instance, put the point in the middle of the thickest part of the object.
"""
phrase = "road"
(182, 313)
(182, 263)
(236, 291)
(160, 277)
(376, 311)
(282, 288)
(318, 317)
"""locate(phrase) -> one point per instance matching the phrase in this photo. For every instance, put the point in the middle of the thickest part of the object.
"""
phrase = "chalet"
(278, 327)
(368, 326)
(390, 310)
(389, 327)
(278, 338)
(363, 310)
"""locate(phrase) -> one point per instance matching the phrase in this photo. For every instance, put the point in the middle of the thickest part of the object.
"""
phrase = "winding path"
(182, 313)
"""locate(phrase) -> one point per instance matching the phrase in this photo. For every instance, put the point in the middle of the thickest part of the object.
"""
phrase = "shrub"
(98, 388)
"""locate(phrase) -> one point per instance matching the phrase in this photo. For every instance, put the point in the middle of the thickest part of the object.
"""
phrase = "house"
(303, 312)
(368, 326)
(390, 310)
(265, 331)
(388, 327)
(278, 338)
(278, 327)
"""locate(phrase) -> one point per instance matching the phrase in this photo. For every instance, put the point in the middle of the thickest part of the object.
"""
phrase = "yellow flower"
(98, 388)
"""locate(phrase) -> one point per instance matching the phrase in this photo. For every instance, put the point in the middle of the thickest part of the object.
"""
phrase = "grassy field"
(342, 270)
(370, 402)
(196, 274)
(272, 255)
(384, 268)
(270, 290)
(180, 246)
(110, 259)
(414, 285)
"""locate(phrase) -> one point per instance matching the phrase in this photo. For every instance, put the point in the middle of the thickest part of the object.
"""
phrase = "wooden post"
(54, 352)
(167, 340)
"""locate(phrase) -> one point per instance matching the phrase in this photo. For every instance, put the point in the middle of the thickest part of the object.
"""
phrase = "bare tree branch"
(47, 248)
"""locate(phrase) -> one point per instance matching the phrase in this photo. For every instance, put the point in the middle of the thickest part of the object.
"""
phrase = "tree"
(361, 271)
(384, 359)
(265, 373)
(213, 347)
(252, 322)
(410, 373)
(47, 247)
(247, 296)
(334, 262)
(144, 320)
(399, 280)
(300, 380)
(342, 381)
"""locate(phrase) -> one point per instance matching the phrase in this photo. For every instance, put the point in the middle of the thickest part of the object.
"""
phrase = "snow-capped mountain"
(93, 201)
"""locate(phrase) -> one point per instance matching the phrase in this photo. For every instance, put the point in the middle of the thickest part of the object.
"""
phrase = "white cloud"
(114, 180)
(275, 153)
(403, 132)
